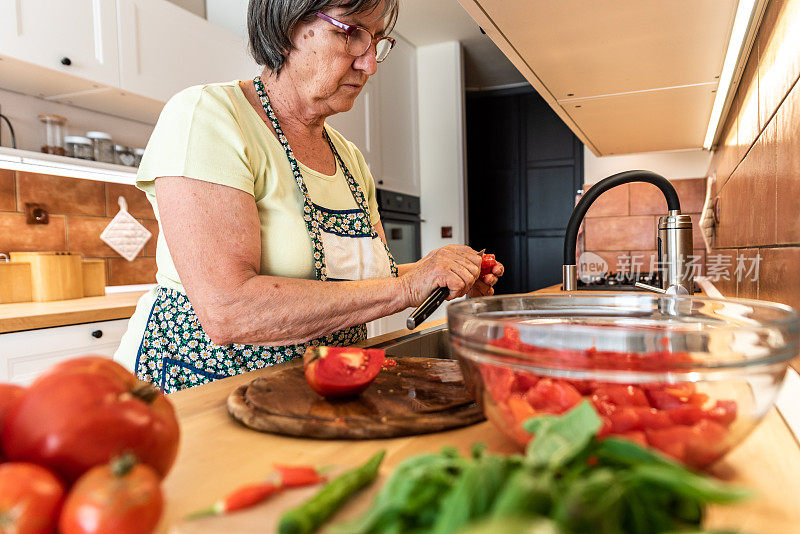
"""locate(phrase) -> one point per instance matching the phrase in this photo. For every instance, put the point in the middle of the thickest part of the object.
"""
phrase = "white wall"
(670, 164)
(22, 111)
(230, 14)
(441, 143)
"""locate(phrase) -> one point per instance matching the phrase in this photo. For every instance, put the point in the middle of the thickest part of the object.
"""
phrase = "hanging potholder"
(125, 234)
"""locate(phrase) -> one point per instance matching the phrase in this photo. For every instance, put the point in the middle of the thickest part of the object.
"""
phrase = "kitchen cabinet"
(399, 132)
(24, 355)
(164, 49)
(361, 125)
(77, 38)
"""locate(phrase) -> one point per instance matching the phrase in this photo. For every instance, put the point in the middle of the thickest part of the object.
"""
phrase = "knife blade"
(429, 305)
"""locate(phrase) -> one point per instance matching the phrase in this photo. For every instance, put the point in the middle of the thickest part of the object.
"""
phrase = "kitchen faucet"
(674, 236)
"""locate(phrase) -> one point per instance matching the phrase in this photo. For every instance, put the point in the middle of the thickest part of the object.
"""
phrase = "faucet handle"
(648, 287)
(671, 290)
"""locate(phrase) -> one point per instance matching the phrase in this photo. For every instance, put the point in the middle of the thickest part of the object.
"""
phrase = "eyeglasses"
(360, 39)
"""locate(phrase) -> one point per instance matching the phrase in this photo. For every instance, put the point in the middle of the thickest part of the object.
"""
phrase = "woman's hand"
(484, 285)
(456, 267)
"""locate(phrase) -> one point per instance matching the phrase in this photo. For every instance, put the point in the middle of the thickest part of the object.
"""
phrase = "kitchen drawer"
(24, 355)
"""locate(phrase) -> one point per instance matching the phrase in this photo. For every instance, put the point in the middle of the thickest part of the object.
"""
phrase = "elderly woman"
(270, 238)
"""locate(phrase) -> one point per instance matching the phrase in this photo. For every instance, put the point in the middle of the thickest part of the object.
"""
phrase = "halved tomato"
(341, 371)
(553, 396)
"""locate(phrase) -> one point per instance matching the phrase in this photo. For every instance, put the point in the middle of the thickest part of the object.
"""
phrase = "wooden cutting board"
(417, 396)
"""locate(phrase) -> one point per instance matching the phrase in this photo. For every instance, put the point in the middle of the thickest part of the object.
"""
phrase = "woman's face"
(326, 76)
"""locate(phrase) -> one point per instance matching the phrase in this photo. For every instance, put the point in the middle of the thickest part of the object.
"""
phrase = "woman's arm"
(214, 237)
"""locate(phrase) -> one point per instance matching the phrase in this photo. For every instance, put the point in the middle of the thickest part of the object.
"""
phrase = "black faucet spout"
(571, 237)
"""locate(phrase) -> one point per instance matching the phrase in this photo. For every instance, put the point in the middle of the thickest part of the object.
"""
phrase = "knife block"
(15, 282)
(94, 278)
(54, 275)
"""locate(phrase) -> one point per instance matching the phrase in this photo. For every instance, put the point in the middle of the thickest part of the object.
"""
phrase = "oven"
(402, 224)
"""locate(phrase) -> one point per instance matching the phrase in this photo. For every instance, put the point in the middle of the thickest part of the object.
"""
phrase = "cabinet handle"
(380, 182)
(66, 61)
(97, 334)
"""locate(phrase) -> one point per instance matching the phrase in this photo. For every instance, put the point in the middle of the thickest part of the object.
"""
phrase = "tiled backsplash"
(621, 224)
(79, 211)
(757, 163)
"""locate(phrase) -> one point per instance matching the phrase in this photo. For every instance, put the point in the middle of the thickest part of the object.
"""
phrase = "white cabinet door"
(24, 355)
(82, 33)
(164, 49)
(361, 125)
(399, 134)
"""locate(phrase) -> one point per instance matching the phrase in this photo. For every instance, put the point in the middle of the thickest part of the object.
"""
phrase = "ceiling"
(425, 22)
(625, 75)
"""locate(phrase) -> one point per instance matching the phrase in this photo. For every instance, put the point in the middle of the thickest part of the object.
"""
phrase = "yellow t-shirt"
(212, 133)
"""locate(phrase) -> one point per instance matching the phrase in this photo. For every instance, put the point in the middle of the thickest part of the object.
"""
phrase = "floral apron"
(175, 352)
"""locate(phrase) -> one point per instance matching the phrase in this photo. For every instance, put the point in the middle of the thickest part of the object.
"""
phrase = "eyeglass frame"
(349, 29)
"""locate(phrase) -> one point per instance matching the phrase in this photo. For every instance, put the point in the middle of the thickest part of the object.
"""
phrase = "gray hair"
(271, 22)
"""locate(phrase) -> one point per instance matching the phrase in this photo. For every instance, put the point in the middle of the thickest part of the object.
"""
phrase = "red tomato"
(652, 418)
(341, 371)
(499, 381)
(624, 420)
(120, 498)
(672, 396)
(9, 394)
(74, 419)
(636, 436)
(30, 499)
(552, 396)
(622, 395)
(99, 365)
(723, 412)
(488, 262)
(686, 414)
(696, 445)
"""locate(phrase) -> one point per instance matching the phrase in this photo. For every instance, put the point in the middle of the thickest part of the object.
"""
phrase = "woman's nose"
(366, 62)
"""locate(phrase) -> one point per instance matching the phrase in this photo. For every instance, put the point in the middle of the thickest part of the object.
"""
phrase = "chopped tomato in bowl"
(675, 374)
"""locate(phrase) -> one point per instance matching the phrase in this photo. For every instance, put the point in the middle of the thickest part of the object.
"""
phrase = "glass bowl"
(688, 376)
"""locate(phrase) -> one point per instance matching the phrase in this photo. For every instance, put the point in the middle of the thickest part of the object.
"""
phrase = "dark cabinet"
(524, 167)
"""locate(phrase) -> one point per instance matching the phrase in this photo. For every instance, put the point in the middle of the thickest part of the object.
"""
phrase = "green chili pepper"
(310, 515)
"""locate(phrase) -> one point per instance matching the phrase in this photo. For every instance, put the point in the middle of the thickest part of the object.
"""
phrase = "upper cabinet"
(123, 57)
(164, 49)
(361, 125)
(397, 105)
(76, 37)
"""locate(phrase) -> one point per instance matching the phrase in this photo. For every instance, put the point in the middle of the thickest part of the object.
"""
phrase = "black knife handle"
(427, 307)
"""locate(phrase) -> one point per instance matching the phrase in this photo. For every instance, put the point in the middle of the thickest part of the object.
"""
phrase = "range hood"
(628, 75)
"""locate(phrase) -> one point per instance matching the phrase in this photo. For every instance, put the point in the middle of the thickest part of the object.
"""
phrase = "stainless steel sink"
(432, 343)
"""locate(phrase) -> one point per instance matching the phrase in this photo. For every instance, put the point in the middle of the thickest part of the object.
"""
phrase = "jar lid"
(77, 139)
(46, 117)
(138, 151)
(122, 148)
(98, 135)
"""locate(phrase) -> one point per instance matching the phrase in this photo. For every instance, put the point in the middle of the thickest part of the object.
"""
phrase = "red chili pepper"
(488, 262)
(238, 499)
(292, 476)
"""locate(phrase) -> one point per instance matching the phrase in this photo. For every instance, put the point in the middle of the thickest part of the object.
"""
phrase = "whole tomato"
(122, 497)
(82, 415)
(9, 393)
(30, 499)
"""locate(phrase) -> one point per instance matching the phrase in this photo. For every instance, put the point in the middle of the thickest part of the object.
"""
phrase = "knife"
(429, 305)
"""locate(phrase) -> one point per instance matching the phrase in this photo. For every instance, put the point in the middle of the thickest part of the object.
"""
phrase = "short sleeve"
(197, 136)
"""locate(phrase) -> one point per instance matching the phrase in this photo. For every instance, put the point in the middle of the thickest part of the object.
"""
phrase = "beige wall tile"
(18, 236)
(68, 196)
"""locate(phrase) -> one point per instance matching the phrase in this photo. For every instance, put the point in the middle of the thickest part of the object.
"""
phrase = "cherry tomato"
(77, 417)
(488, 262)
(120, 498)
(30, 499)
(341, 371)
(552, 396)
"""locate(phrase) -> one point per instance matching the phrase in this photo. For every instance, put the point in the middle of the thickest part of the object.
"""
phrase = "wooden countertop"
(217, 455)
(30, 315)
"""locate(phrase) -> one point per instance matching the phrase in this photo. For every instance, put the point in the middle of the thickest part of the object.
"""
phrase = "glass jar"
(124, 155)
(102, 146)
(53, 134)
(79, 147)
(137, 155)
